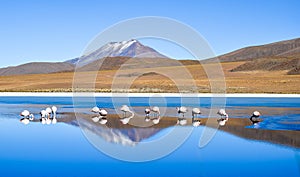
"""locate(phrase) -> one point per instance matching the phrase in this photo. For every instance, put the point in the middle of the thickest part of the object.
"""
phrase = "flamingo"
(27, 117)
(49, 111)
(95, 109)
(156, 111)
(25, 114)
(223, 113)
(224, 117)
(54, 110)
(181, 110)
(195, 111)
(255, 118)
(103, 112)
(54, 120)
(125, 109)
(44, 115)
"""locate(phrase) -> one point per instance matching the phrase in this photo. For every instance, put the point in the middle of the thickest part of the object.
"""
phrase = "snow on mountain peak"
(131, 48)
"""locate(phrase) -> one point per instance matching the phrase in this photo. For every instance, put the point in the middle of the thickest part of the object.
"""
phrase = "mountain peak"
(131, 48)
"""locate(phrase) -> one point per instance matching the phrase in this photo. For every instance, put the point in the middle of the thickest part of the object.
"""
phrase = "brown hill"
(281, 56)
(37, 68)
(282, 48)
(269, 64)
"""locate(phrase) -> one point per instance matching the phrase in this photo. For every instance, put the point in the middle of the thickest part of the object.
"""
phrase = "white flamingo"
(49, 111)
(255, 118)
(27, 117)
(125, 109)
(54, 110)
(156, 111)
(223, 114)
(95, 109)
(224, 117)
(181, 110)
(195, 111)
(103, 112)
(25, 114)
(44, 115)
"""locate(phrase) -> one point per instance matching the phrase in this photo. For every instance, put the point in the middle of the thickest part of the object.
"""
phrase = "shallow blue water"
(63, 150)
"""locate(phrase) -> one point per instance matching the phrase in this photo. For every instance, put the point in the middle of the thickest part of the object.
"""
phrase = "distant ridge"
(37, 68)
(283, 55)
(283, 48)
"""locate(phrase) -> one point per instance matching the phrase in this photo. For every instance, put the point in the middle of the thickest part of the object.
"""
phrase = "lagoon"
(63, 149)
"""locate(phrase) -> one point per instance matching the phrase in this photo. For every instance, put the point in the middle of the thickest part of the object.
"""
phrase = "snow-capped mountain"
(131, 48)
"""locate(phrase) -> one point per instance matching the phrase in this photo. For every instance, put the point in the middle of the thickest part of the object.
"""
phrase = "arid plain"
(236, 82)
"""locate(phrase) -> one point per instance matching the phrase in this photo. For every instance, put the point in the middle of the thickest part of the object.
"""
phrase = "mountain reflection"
(138, 129)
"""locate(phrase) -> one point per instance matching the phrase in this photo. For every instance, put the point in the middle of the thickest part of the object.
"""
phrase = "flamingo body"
(195, 111)
(181, 110)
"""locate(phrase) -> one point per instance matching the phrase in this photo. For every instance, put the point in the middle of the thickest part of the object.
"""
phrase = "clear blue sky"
(35, 30)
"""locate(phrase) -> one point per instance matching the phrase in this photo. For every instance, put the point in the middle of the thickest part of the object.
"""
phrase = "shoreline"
(89, 94)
